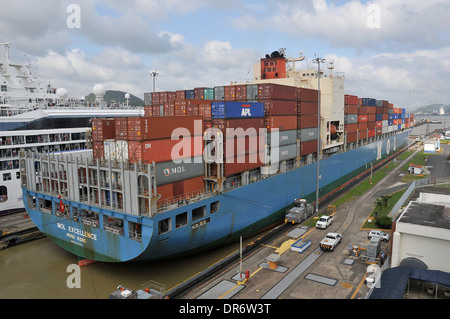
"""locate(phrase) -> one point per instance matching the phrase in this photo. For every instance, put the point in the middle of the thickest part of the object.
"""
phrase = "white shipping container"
(121, 151)
(109, 149)
(385, 123)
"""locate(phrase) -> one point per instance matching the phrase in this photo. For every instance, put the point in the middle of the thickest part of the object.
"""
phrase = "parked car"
(324, 222)
(330, 241)
(379, 234)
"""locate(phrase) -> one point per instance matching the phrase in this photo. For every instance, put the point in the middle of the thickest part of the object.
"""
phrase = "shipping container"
(208, 94)
(204, 110)
(189, 94)
(284, 137)
(371, 133)
(281, 122)
(148, 110)
(307, 121)
(230, 110)
(121, 151)
(173, 192)
(371, 125)
(180, 95)
(230, 93)
(307, 95)
(379, 124)
(282, 153)
(362, 135)
(362, 126)
(270, 91)
(362, 118)
(147, 98)
(378, 117)
(308, 147)
(121, 128)
(241, 92)
(170, 172)
(219, 93)
(350, 118)
(169, 109)
(233, 127)
(252, 92)
(362, 110)
(351, 109)
(306, 107)
(148, 128)
(350, 99)
(371, 117)
(243, 163)
(98, 149)
(281, 107)
(307, 134)
(103, 129)
(199, 93)
(351, 128)
(352, 137)
(155, 97)
(242, 145)
(368, 102)
(180, 107)
(378, 131)
(161, 150)
(109, 149)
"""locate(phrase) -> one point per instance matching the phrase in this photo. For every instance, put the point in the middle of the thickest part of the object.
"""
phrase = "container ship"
(207, 165)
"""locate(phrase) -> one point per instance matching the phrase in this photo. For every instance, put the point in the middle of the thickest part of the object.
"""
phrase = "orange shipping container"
(351, 128)
(283, 123)
(308, 147)
(103, 129)
(307, 121)
(362, 118)
(121, 128)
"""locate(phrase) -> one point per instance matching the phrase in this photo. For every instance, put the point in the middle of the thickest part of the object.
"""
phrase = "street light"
(318, 61)
(153, 74)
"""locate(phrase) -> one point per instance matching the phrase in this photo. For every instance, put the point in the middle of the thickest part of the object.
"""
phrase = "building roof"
(426, 214)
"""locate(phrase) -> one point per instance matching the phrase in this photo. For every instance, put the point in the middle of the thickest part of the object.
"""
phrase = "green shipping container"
(208, 94)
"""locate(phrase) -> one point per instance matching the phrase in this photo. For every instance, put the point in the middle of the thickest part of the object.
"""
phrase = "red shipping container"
(230, 93)
(379, 124)
(121, 128)
(378, 131)
(159, 151)
(397, 110)
(270, 91)
(306, 107)
(371, 117)
(362, 126)
(371, 133)
(371, 109)
(352, 137)
(391, 105)
(241, 92)
(204, 110)
(307, 121)
(362, 110)
(148, 110)
(362, 118)
(198, 93)
(280, 107)
(171, 97)
(169, 109)
(234, 166)
(207, 124)
(192, 110)
(350, 99)
(155, 97)
(351, 109)
(362, 135)
(180, 190)
(163, 97)
(103, 129)
(180, 108)
(351, 128)
(244, 124)
(180, 95)
(370, 125)
(98, 150)
(156, 110)
(308, 147)
(385, 116)
(148, 128)
(239, 146)
(282, 122)
(307, 95)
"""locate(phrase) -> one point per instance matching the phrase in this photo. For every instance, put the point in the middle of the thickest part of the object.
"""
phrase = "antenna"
(154, 74)
(331, 66)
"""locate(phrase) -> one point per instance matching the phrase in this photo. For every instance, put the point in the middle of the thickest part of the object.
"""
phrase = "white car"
(324, 222)
(379, 234)
(330, 241)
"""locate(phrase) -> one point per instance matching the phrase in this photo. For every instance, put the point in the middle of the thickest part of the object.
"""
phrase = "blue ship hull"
(242, 211)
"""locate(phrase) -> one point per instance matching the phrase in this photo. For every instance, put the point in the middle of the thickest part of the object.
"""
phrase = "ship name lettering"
(82, 233)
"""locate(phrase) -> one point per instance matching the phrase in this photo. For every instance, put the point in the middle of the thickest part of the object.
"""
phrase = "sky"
(396, 50)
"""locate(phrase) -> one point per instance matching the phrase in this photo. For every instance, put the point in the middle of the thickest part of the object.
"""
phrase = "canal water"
(39, 269)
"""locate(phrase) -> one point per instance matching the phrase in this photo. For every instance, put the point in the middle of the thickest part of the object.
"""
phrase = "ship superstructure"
(176, 181)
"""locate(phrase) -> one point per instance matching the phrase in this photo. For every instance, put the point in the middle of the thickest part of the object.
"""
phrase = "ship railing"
(90, 221)
(135, 235)
(114, 229)
(182, 200)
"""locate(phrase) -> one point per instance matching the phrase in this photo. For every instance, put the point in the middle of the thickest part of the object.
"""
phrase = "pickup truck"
(324, 222)
(330, 241)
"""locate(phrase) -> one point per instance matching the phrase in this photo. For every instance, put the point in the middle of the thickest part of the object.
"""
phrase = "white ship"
(38, 117)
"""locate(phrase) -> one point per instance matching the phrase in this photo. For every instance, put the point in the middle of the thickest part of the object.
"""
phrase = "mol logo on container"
(174, 170)
(246, 110)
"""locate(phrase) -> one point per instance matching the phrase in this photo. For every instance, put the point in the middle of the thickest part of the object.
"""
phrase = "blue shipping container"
(390, 122)
(399, 126)
(236, 110)
(395, 116)
(367, 101)
(391, 117)
(189, 94)
(378, 117)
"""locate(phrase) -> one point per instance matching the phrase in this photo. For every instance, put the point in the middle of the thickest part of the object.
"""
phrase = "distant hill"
(117, 97)
(432, 108)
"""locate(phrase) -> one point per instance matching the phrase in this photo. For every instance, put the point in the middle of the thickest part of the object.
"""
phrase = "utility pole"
(154, 74)
(318, 61)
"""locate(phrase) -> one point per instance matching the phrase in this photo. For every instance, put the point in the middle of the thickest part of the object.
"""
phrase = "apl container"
(235, 110)
(170, 172)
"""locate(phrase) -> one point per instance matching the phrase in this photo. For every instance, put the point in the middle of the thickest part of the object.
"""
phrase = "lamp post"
(318, 61)
(154, 74)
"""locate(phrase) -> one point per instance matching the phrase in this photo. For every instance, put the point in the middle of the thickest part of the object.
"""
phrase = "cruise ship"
(175, 181)
(37, 117)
